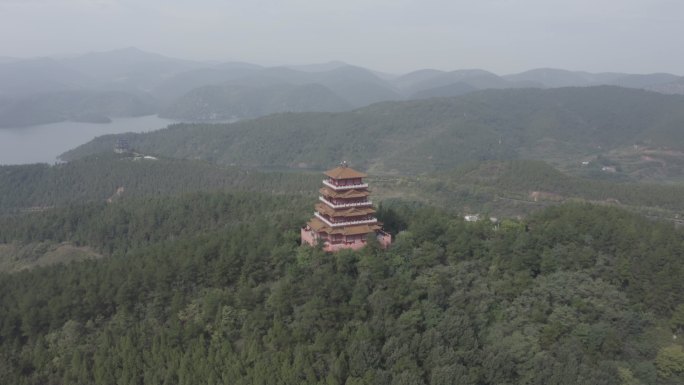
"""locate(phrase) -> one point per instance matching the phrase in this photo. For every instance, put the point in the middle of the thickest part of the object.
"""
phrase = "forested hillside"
(516, 187)
(167, 271)
(213, 288)
(562, 126)
(113, 177)
(497, 188)
(233, 102)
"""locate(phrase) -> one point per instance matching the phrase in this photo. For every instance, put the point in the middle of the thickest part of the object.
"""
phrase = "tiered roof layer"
(342, 172)
(353, 193)
(350, 212)
(320, 226)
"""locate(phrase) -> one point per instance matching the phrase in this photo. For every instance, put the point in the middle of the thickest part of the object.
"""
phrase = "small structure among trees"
(344, 218)
(122, 146)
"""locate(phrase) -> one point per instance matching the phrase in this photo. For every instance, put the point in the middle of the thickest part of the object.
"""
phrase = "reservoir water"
(42, 144)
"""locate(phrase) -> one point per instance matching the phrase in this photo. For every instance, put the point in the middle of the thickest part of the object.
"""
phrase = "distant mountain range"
(563, 126)
(189, 90)
(551, 78)
(234, 102)
(76, 106)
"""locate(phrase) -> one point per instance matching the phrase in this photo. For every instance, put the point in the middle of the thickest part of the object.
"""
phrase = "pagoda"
(344, 217)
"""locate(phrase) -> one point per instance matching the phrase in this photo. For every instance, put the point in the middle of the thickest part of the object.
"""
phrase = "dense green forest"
(213, 288)
(111, 176)
(516, 187)
(562, 126)
(172, 271)
(499, 188)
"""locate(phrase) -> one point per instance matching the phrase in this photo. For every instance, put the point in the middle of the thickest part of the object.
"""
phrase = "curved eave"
(325, 191)
(346, 212)
(344, 173)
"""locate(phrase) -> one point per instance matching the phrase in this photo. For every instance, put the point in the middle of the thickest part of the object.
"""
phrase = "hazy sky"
(503, 36)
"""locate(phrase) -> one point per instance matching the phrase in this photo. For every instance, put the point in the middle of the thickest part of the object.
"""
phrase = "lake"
(42, 144)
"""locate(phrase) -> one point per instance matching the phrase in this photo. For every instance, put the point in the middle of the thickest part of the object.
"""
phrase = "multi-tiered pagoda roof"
(344, 216)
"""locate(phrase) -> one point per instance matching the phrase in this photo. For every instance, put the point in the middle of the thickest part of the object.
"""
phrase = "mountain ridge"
(561, 126)
(232, 102)
(168, 80)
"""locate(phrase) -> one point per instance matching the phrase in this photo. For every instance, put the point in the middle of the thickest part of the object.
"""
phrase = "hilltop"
(214, 288)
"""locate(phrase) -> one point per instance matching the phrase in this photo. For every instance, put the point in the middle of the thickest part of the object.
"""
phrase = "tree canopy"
(214, 288)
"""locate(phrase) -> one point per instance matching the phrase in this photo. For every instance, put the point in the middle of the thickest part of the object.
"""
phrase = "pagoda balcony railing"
(343, 242)
(338, 224)
(347, 187)
(343, 205)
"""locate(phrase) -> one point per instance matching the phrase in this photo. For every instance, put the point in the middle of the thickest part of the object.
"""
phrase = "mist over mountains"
(32, 89)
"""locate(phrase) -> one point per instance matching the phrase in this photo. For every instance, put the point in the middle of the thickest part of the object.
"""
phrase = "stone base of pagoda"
(332, 247)
(310, 237)
(384, 238)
